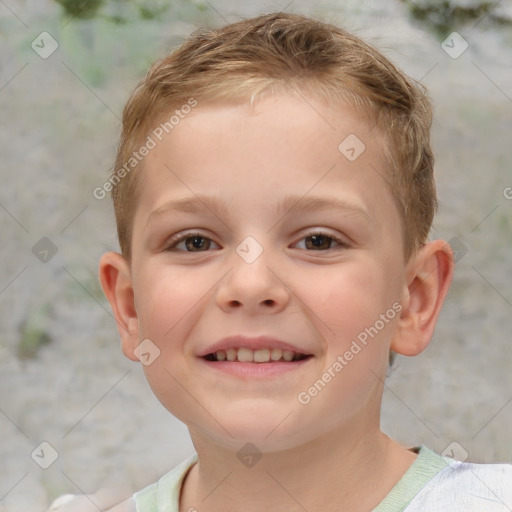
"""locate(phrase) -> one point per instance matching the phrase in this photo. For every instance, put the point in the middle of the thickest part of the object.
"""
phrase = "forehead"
(282, 145)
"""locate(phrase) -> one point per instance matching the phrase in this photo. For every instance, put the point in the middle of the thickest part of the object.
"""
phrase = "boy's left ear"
(429, 275)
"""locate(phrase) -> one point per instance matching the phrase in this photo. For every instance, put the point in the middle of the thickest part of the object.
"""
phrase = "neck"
(335, 472)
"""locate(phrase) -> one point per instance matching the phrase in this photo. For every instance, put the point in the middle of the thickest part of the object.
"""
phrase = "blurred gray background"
(63, 378)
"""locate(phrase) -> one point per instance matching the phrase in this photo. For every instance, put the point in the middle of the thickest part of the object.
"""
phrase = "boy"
(274, 193)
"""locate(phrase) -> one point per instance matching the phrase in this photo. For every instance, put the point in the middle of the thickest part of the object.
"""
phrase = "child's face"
(313, 293)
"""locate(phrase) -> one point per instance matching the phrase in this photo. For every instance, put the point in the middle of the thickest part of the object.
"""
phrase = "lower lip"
(256, 370)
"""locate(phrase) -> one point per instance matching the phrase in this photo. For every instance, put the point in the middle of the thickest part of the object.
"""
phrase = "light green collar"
(422, 470)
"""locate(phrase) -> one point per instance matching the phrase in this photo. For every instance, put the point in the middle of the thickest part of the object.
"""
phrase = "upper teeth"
(263, 355)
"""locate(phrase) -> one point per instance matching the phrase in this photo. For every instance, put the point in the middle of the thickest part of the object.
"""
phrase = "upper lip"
(253, 343)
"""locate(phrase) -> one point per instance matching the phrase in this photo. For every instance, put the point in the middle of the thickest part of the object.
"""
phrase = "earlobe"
(429, 276)
(116, 281)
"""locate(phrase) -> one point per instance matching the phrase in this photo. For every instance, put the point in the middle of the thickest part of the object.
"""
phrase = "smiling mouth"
(247, 355)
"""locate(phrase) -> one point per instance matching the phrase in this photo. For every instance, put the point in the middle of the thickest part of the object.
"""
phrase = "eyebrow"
(315, 203)
(193, 204)
(221, 208)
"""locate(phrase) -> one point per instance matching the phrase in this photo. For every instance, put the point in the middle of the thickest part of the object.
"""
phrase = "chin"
(268, 428)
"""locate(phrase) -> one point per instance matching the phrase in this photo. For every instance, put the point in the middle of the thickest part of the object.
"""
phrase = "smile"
(263, 355)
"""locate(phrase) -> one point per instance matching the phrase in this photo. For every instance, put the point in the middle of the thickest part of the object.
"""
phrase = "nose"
(253, 286)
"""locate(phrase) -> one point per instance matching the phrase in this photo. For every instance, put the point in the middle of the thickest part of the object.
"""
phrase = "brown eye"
(320, 242)
(192, 242)
(199, 243)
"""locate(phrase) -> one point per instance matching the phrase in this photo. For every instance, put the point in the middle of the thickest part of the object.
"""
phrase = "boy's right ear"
(116, 281)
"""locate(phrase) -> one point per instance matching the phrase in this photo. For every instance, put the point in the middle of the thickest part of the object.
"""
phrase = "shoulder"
(167, 488)
(466, 486)
(165, 493)
(75, 503)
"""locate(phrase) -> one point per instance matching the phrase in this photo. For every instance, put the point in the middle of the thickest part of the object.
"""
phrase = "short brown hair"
(279, 50)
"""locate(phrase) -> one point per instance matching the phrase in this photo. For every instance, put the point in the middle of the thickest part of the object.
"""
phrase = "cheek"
(170, 300)
(167, 378)
(347, 312)
(351, 297)
(164, 298)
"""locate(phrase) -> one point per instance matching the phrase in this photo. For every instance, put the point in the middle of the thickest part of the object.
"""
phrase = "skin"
(329, 454)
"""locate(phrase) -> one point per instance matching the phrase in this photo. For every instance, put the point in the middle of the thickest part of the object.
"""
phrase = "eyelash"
(174, 241)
